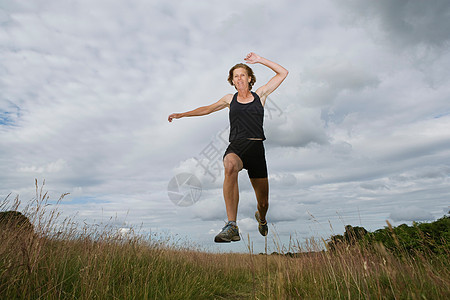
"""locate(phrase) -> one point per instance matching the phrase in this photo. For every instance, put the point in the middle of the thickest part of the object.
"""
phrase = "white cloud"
(282, 179)
(52, 167)
(296, 127)
(328, 78)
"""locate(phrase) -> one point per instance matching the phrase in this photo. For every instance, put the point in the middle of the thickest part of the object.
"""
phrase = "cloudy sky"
(357, 134)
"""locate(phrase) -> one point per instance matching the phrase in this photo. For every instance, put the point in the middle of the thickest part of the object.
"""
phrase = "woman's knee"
(232, 164)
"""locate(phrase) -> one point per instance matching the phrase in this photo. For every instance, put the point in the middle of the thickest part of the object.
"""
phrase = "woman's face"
(241, 78)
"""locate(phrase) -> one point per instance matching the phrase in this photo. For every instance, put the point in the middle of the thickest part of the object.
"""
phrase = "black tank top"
(246, 120)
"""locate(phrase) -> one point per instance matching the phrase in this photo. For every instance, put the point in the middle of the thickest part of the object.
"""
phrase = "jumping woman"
(246, 149)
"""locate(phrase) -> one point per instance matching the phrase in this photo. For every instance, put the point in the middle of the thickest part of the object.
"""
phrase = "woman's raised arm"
(275, 81)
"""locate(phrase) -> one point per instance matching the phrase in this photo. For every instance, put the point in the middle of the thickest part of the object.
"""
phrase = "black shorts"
(253, 156)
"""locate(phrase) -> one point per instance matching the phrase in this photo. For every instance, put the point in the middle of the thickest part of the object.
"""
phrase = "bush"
(421, 238)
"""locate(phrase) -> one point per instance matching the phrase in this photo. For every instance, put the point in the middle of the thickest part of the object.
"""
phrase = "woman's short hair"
(249, 73)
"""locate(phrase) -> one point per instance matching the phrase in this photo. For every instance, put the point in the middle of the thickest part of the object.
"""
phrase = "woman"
(246, 149)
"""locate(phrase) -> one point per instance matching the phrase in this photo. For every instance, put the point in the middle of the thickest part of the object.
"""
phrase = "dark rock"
(14, 220)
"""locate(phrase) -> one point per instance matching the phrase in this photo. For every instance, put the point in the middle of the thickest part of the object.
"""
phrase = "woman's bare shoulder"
(227, 98)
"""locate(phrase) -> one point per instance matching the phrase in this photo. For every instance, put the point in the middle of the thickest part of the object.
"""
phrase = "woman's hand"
(174, 116)
(252, 58)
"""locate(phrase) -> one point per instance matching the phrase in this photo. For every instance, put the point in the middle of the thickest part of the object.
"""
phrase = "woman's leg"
(233, 164)
(261, 187)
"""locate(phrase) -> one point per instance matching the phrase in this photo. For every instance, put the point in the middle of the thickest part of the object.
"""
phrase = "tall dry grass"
(60, 259)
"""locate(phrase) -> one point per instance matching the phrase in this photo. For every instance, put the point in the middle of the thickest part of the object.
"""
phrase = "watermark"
(210, 158)
(184, 189)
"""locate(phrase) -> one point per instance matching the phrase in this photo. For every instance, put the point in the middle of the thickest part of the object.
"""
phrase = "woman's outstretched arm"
(204, 110)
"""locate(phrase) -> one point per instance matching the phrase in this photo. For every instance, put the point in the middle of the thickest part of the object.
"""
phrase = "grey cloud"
(410, 213)
(406, 22)
(414, 30)
(437, 172)
(374, 186)
(9, 113)
(329, 78)
(421, 142)
(341, 149)
(341, 75)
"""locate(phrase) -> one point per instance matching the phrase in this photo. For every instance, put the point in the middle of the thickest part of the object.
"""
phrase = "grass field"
(61, 260)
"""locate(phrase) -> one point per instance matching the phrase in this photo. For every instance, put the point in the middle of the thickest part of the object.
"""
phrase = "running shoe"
(262, 227)
(229, 233)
